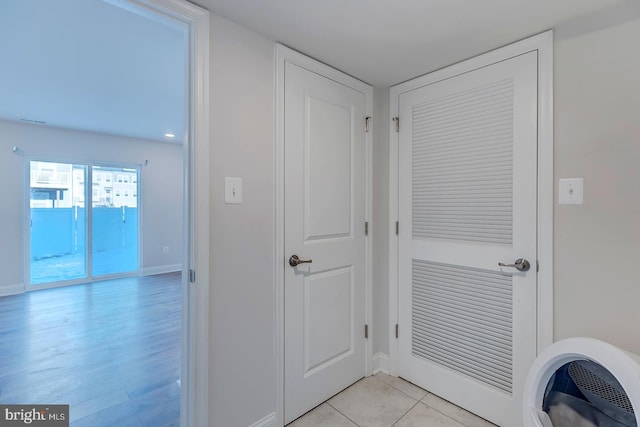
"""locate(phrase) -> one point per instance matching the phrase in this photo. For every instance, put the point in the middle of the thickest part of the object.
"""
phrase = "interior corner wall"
(380, 221)
(242, 379)
(597, 138)
(161, 195)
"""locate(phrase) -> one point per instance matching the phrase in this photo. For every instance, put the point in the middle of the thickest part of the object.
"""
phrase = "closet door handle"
(295, 260)
(521, 264)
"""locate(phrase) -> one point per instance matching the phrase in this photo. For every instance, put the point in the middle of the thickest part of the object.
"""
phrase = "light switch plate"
(570, 191)
(232, 190)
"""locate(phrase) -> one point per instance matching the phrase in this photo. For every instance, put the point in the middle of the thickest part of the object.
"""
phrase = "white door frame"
(284, 54)
(543, 44)
(194, 396)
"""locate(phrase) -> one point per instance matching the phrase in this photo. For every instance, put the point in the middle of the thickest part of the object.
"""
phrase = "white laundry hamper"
(604, 378)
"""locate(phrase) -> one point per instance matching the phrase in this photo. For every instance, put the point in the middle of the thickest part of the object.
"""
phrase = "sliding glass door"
(114, 211)
(58, 222)
(69, 243)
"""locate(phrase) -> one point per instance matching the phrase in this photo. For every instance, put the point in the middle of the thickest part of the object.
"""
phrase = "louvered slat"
(462, 319)
(462, 166)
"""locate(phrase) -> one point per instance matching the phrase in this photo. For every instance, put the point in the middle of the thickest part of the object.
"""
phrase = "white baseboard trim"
(161, 269)
(380, 363)
(268, 421)
(7, 290)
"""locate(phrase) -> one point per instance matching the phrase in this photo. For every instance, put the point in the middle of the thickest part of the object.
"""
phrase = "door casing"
(543, 44)
(283, 55)
(195, 296)
(194, 398)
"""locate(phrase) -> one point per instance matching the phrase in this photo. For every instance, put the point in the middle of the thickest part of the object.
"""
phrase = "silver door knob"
(295, 260)
(521, 264)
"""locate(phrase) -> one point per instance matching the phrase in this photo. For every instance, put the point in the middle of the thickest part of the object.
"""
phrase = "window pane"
(58, 226)
(115, 220)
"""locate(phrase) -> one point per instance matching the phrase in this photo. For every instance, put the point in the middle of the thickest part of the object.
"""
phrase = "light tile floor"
(384, 401)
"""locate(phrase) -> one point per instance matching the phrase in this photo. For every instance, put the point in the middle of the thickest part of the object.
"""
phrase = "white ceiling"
(89, 65)
(385, 42)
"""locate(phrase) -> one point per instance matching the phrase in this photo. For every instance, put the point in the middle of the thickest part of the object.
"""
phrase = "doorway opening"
(62, 141)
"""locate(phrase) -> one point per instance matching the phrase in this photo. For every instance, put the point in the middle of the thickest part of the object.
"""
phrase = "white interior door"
(467, 201)
(324, 144)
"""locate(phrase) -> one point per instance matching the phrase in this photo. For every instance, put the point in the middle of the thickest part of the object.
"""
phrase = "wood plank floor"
(109, 349)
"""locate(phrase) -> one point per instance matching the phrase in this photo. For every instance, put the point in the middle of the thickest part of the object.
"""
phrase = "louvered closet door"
(468, 201)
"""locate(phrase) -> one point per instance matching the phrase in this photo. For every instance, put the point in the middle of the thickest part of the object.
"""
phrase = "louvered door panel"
(463, 165)
(467, 201)
(462, 319)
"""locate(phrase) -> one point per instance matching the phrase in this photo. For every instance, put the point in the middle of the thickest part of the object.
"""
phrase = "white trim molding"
(543, 45)
(195, 320)
(284, 54)
(14, 289)
(380, 363)
(161, 269)
(545, 190)
(268, 421)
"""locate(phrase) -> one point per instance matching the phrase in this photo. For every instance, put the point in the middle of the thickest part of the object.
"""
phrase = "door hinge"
(537, 266)
(396, 330)
(366, 228)
(397, 228)
(367, 120)
(366, 331)
(192, 276)
(396, 120)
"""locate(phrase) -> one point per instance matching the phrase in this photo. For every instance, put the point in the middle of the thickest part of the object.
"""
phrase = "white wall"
(242, 378)
(594, 139)
(597, 137)
(596, 245)
(161, 194)
(380, 221)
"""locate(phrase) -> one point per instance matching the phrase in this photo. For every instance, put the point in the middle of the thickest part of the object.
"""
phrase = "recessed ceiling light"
(169, 135)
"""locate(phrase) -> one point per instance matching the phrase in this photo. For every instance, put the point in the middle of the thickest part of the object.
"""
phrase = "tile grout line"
(403, 392)
(417, 401)
(396, 388)
(405, 414)
(341, 413)
(421, 401)
(447, 415)
(380, 381)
